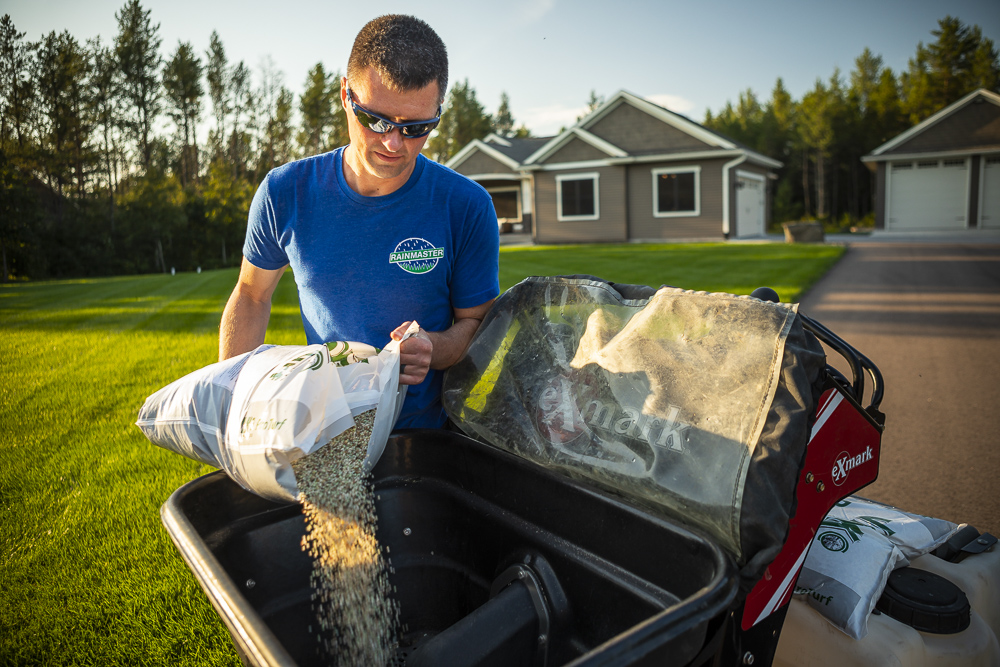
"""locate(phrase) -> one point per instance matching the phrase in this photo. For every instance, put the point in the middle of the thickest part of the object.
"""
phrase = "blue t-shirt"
(364, 265)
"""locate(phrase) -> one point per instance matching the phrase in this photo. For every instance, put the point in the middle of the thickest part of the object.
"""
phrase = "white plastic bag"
(255, 414)
(188, 416)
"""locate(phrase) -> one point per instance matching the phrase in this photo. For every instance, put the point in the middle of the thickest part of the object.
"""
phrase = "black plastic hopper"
(496, 562)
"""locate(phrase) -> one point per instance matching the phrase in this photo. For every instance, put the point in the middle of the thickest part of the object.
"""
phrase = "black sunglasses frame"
(382, 125)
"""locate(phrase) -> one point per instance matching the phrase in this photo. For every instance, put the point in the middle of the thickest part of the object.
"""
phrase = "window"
(676, 192)
(507, 202)
(578, 197)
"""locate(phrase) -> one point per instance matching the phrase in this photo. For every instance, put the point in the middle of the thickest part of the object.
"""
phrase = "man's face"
(388, 157)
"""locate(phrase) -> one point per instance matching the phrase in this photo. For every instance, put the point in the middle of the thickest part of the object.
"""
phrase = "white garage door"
(928, 195)
(749, 205)
(989, 209)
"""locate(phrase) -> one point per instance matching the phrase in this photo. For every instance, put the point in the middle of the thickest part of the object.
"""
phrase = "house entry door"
(749, 205)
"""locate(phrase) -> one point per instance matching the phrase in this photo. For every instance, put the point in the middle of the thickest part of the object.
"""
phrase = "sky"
(548, 55)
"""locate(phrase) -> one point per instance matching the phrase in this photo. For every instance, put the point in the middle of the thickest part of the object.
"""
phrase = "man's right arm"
(244, 320)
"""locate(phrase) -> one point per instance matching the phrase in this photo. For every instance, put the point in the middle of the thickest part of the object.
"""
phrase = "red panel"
(842, 456)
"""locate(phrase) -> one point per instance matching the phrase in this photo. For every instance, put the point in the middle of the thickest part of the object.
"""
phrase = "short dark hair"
(404, 50)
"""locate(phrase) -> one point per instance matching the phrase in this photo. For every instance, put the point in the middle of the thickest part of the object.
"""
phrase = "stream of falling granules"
(350, 583)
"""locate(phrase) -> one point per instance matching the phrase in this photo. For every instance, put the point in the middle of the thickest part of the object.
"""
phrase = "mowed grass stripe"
(88, 575)
(737, 268)
(97, 577)
(139, 302)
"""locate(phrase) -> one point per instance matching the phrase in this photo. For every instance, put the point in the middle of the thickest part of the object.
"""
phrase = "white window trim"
(594, 176)
(690, 169)
(512, 188)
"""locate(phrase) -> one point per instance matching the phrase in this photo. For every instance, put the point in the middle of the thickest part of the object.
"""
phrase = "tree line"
(102, 171)
(822, 137)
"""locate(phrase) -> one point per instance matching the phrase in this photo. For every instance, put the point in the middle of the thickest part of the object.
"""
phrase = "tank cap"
(925, 601)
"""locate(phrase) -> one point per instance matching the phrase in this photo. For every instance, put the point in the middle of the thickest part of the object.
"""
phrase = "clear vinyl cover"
(694, 405)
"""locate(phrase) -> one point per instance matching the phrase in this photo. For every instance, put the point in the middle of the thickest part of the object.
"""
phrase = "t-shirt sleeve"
(476, 278)
(261, 246)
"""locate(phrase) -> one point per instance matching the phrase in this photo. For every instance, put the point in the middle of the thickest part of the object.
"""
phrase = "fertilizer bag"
(856, 547)
(255, 414)
(695, 406)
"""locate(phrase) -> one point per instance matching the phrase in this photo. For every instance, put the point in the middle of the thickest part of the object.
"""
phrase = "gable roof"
(716, 144)
(509, 151)
(882, 152)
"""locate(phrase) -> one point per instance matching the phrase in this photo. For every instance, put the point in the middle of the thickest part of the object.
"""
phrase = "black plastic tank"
(496, 561)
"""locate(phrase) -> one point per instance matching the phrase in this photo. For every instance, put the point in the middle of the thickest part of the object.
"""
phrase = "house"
(629, 171)
(495, 163)
(944, 173)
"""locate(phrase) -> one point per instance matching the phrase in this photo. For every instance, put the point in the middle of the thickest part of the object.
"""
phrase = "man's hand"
(437, 349)
(415, 354)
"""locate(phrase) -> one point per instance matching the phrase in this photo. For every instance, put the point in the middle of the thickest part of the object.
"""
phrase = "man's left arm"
(438, 349)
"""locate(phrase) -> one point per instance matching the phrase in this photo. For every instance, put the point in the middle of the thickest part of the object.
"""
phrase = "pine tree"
(503, 120)
(16, 85)
(281, 129)
(182, 84)
(316, 106)
(593, 102)
(462, 120)
(816, 131)
(242, 100)
(63, 67)
(957, 63)
(105, 110)
(217, 76)
(137, 48)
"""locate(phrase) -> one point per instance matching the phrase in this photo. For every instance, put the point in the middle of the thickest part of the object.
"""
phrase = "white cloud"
(533, 10)
(675, 103)
(544, 121)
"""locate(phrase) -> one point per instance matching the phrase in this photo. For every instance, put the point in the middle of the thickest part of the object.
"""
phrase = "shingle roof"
(519, 149)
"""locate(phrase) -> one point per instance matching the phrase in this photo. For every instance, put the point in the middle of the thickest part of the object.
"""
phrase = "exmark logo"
(416, 256)
(565, 412)
(845, 463)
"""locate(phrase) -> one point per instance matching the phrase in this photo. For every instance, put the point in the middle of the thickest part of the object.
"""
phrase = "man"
(376, 234)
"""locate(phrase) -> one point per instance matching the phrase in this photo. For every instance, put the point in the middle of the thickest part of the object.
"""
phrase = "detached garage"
(943, 174)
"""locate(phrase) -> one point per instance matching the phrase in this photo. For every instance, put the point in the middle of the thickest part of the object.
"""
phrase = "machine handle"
(859, 363)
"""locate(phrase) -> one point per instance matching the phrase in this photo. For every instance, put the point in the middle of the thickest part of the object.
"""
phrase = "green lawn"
(88, 575)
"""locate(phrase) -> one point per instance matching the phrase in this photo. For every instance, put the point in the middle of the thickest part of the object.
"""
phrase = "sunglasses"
(381, 125)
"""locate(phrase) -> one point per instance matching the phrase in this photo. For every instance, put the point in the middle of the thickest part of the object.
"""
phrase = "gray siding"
(576, 150)
(880, 195)
(481, 163)
(642, 223)
(638, 133)
(974, 126)
(610, 227)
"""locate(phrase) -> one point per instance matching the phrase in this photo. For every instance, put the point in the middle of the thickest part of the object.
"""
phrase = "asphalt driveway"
(928, 314)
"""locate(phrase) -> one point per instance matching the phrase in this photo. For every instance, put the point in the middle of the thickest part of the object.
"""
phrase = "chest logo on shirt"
(416, 256)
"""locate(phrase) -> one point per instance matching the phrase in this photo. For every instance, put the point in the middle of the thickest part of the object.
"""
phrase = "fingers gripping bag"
(254, 415)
